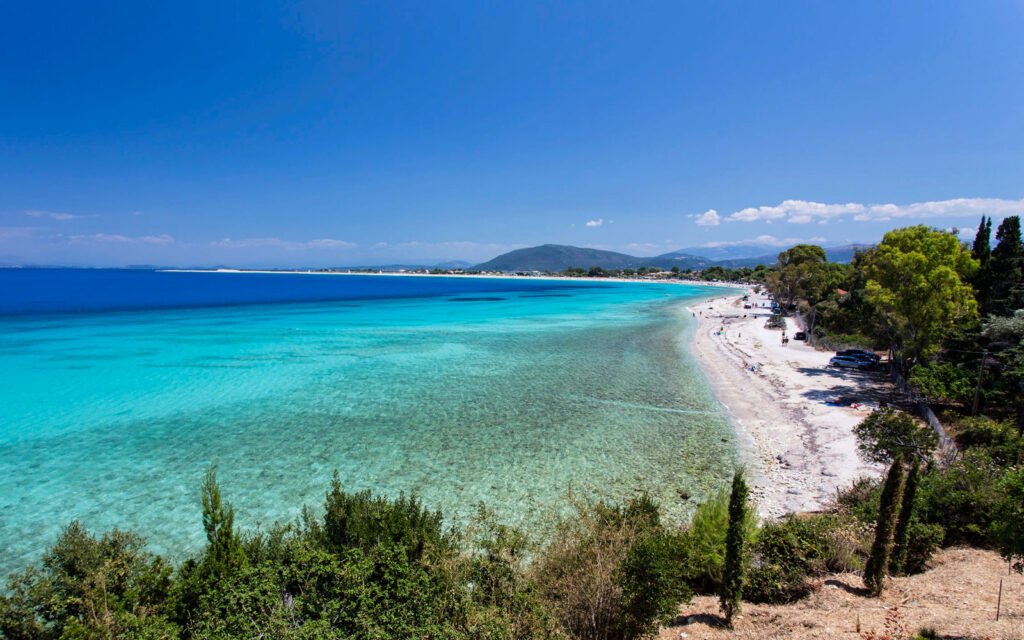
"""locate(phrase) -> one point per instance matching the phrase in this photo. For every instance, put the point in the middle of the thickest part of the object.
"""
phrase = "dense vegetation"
(367, 566)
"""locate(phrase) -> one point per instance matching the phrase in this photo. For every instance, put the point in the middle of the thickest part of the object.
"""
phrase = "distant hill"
(557, 257)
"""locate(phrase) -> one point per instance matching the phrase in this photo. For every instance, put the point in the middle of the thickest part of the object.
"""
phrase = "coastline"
(485, 276)
(794, 417)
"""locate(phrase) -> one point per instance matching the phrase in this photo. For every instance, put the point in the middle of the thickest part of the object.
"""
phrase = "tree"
(981, 251)
(888, 433)
(1006, 341)
(731, 595)
(1007, 269)
(881, 548)
(898, 562)
(798, 273)
(917, 282)
(224, 552)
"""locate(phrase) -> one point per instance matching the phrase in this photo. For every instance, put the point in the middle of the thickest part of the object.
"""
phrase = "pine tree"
(881, 549)
(1007, 269)
(224, 552)
(731, 595)
(898, 562)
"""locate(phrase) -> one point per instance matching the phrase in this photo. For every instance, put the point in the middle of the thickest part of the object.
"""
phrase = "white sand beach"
(794, 416)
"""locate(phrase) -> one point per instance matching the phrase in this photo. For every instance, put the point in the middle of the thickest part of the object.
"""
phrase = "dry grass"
(956, 597)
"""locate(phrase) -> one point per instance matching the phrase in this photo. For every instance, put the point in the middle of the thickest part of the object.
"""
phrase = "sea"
(119, 388)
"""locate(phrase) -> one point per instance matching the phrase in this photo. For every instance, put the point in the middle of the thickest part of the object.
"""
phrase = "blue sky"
(318, 133)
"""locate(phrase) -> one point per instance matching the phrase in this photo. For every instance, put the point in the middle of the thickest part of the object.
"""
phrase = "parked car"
(800, 335)
(860, 353)
(850, 362)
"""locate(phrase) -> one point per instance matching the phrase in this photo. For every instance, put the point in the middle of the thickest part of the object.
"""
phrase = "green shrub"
(999, 439)
(944, 382)
(796, 548)
(923, 541)
(612, 571)
(966, 498)
(89, 587)
(362, 520)
(704, 542)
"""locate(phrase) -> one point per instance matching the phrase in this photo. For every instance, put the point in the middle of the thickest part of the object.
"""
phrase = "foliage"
(1006, 336)
(704, 541)
(796, 548)
(965, 498)
(1006, 269)
(881, 549)
(1009, 529)
(918, 284)
(888, 433)
(901, 538)
(362, 520)
(733, 572)
(613, 572)
(799, 273)
(999, 439)
(943, 382)
(90, 587)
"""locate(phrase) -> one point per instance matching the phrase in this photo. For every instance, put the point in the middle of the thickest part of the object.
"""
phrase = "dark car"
(860, 353)
(800, 335)
(850, 362)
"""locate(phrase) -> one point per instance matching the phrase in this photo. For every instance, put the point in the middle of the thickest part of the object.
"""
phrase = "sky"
(346, 133)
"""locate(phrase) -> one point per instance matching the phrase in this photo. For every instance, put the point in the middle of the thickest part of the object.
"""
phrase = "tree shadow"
(856, 591)
(710, 619)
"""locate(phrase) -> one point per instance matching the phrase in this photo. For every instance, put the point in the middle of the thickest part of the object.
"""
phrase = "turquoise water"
(508, 397)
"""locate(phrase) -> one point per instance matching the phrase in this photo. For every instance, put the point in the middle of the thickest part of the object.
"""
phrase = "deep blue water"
(41, 291)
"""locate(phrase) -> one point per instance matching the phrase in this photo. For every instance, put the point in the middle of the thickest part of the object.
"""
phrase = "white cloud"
(52, 215)
(765, 240)
(709, 218)
(805, 211)
(595, 223)
(116, 238)
(279, 243)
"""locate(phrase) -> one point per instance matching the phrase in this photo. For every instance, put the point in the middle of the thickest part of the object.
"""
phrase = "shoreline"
(793, 417)
(484, 276)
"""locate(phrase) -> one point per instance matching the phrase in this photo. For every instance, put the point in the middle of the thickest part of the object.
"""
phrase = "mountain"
(557, 257)
(727, 252)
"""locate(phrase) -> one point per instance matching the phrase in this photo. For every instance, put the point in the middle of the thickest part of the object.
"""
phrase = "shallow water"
(506, 392)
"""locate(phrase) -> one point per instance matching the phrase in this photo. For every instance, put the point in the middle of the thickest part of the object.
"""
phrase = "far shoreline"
(484, 276)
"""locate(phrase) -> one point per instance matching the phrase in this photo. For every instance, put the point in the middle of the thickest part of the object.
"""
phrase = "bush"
(612, 572)
(704, 542)
(362, 520)
(999, 439)
(966, 498)
(792, 550)
(943, 382)
(888, 433)
(922, 543)
(89, 587)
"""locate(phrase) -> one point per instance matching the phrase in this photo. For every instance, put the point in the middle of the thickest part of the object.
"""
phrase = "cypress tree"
(981, 251)
(898, 563)
(731, 595)
(1006, 267)
(881, 549)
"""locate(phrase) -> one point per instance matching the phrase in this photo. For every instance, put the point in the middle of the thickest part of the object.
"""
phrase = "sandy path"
(797, 440)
